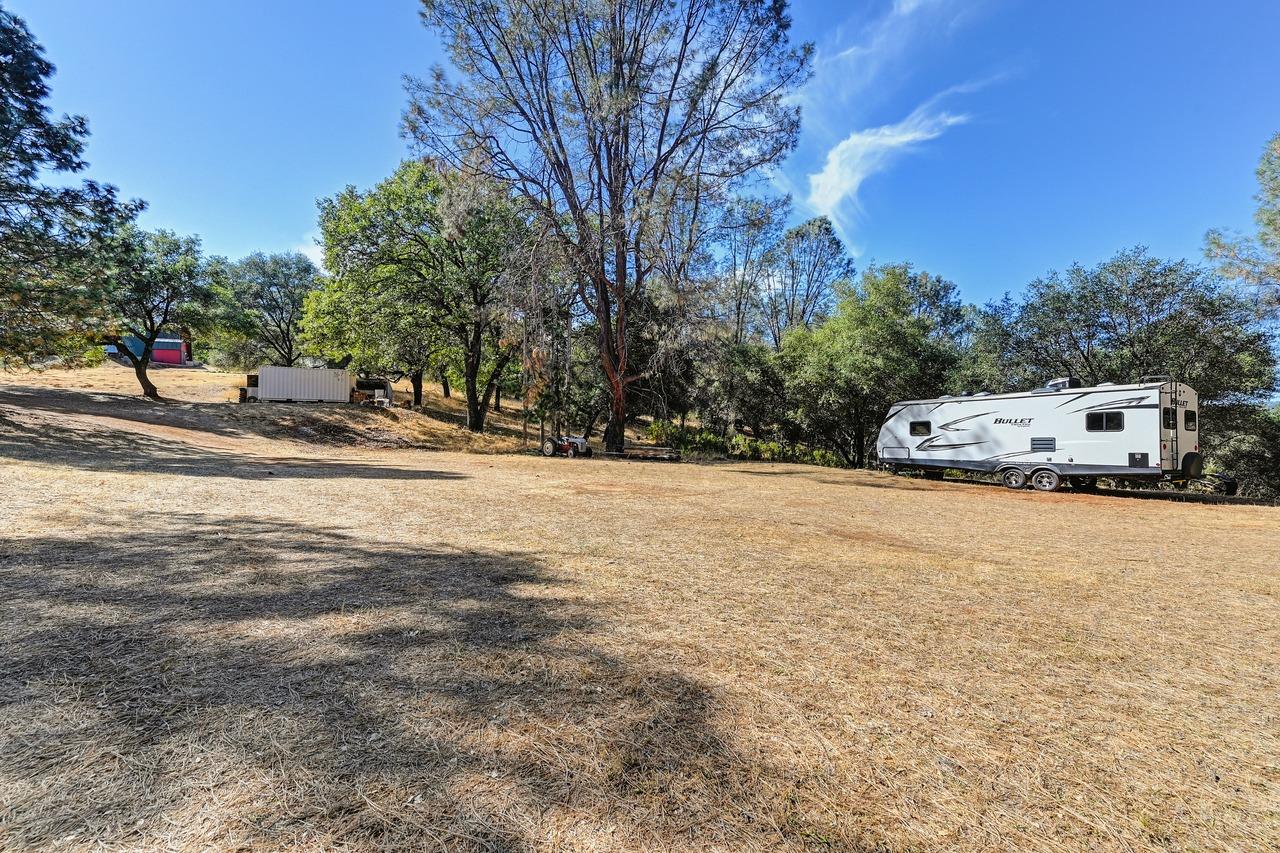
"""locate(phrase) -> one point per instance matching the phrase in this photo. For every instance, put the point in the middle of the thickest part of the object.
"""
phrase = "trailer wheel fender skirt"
(1013, 478)
(1045, 480)
(1192, 465)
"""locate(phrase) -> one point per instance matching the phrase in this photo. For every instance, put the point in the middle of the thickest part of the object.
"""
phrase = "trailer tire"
(1192, 466)
(1014, 478)
(549, 447)
(933, 475)
(1046, 480)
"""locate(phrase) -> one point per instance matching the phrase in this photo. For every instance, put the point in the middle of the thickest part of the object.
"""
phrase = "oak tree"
(155, 282)
(621, 123)
(441, 244)
(261, 306)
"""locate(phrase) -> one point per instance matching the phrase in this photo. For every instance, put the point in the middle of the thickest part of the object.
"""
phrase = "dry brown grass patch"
(214, 639)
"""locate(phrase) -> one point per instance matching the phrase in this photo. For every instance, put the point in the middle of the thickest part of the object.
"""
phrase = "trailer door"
(1169, 416)
(1188, 427)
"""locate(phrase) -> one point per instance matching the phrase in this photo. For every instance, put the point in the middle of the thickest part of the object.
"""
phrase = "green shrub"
(707, 444)
(772, 451)
(709, 441)
(826, 458)
(741, 447)
(663, 433)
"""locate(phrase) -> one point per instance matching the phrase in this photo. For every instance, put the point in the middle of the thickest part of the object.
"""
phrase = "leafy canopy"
(427, 258)
(260, 308)
(49, 234)
(1256, 260)
(158, 282)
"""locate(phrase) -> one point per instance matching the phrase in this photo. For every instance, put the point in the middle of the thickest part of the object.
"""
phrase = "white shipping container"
(304, 385)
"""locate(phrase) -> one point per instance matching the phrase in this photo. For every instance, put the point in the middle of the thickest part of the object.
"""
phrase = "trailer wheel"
(1192, 466)
(1045, 480)
(1083, 484)
(1014, 478)
(549, 448)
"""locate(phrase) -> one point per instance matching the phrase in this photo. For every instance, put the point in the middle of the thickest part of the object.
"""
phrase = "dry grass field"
(217, 633)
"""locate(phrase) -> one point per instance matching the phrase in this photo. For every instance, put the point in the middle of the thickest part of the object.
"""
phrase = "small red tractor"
(566, 445)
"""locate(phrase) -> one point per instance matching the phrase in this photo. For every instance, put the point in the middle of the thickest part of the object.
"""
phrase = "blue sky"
(986, 140)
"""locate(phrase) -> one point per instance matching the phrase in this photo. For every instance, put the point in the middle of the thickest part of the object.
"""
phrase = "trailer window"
(1104, 421)
(1170, 418)
(1189, 419)
(921, 428)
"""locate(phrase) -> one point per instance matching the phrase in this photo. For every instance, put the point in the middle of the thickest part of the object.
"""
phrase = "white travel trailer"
(1147, 430)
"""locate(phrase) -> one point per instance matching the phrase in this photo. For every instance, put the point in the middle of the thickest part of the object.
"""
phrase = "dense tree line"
(587, 231)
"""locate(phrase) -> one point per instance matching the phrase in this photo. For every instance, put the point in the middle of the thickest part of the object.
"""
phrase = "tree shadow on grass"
(205, 417)
(819, 476)
(105, 449)
(202, 682)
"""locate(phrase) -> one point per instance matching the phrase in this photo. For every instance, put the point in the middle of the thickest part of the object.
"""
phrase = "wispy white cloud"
(834, 190)
(854, 74)
(848, 66)
(310, 246)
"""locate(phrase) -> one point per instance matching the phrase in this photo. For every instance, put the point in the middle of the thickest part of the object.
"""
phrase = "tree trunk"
(472, 338)
(497, 398)
(140, 370)
(491, 387)
(615, 430)
(612, 321)
(444, 383)
(415, 380)
(471, 384)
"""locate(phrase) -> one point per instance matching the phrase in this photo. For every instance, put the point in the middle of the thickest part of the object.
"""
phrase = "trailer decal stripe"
(1085, 394)
(1126, 403)
(950, 426)
(932, 444)
(1076, 397)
